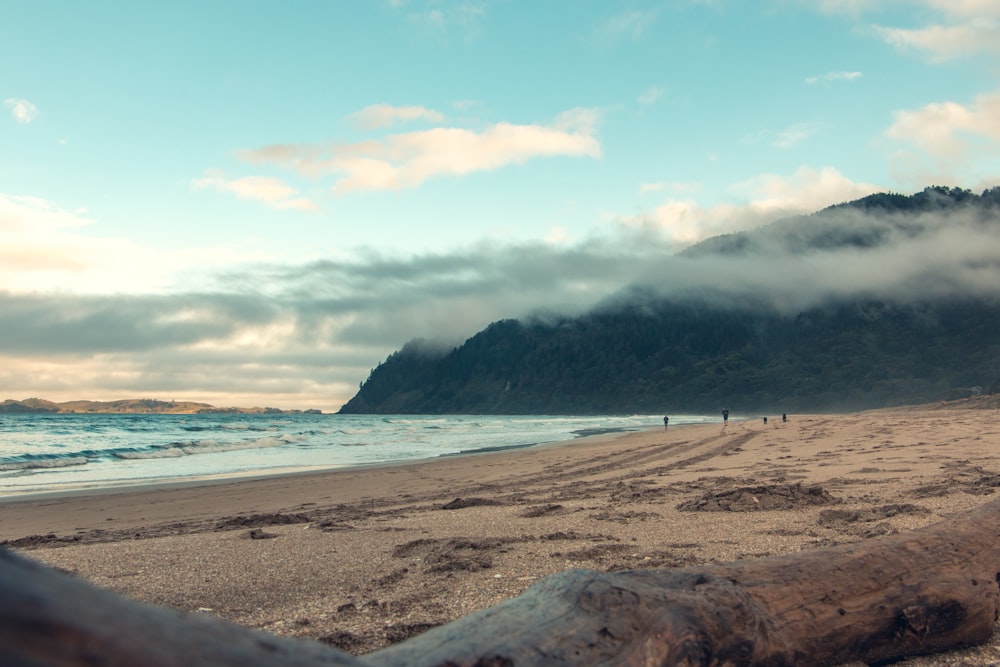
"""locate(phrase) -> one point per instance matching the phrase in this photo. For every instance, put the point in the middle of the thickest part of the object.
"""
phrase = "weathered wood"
(920, 592)
(914, 593)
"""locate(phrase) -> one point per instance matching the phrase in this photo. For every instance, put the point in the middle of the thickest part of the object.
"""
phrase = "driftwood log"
(916, 593)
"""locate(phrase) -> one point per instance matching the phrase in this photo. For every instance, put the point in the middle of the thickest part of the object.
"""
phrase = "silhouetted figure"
(765, 421)
(666, 420)
(725, 415)
(784, 417)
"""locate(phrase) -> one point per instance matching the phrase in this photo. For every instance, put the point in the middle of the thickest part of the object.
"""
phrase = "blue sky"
(256, 202)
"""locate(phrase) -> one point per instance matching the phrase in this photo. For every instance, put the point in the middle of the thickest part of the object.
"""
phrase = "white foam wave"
(196, 447)
(44, 463)
(166, 453)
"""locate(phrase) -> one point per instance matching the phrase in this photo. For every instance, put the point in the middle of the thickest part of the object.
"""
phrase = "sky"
(254, 203)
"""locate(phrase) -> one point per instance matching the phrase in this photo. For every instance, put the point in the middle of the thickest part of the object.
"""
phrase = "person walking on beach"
(666, 420)
(725, 416)
(765, 421)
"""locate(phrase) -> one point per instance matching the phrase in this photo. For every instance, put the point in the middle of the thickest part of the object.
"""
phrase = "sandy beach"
(362, 558)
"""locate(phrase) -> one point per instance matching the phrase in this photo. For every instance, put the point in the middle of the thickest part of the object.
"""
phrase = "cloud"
(48, 248)
(318, 331)
(955, 8)
(407, 160)
(962, 27)
(967, 8)
(794, 135)
(785, 139)
(313, 333)
(946, 42)
(271, 191)
(952, 136)
(952, 255)
(224, 349)
(26, 214)
(759, 200)
(384, 115)
(806, 190)
(41, 249)
(23, 111)
(833, 76)
(219, 379)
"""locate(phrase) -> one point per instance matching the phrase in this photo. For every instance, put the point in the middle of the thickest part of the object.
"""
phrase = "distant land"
(145, 406)
(885, 301)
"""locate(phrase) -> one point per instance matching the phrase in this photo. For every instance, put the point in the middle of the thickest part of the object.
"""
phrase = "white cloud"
(957, 8)
(271, 191)
(407, 160)
(949, 131)
(45, 248)
(177, 375)
(793, 135)
(759, 200)
(960, 27)
(557, 236)
(967, 8)
(804, 191)
(785, 139)
(833, 76)
(945, 42)
(41, 250)
(23, 111)
(384, 115)
(20, 214)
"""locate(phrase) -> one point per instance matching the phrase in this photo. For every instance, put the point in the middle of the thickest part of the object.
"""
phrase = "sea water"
(62, 452)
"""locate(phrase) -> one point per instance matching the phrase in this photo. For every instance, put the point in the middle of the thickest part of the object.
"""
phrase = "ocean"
(63, 452)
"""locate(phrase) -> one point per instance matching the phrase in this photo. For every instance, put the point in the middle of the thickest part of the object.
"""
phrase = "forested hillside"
(933, 334)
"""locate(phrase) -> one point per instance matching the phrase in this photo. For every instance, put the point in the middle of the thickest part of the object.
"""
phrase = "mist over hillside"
(886, 300)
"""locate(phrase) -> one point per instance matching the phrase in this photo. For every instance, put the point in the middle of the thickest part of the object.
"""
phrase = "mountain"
(28, 406)
(894, 300)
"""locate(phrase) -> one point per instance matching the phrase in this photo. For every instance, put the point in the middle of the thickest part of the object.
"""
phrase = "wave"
(41, 461)
(235, 426)
(128, 454)
(95, 447)
(28, 462)
(243, 426)
(350, 431)
(195, 447)
(418, 420)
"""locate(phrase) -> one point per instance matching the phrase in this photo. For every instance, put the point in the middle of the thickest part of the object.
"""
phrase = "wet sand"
(362, 558)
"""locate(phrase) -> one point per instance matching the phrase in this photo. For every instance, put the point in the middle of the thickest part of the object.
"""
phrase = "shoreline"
(140, 486)
(86, 462)
(360, 558)
(181, 491)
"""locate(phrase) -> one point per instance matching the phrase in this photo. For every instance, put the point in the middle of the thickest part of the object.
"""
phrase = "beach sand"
(362, 558)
